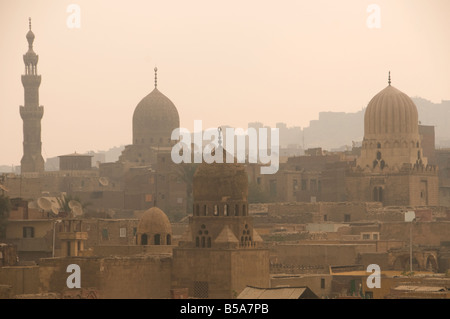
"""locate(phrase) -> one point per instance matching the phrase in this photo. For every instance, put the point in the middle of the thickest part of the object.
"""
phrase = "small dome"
(154, 119)
(216, 181)
(390, 112)
(154, 221)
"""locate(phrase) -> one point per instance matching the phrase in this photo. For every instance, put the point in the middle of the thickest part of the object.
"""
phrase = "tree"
(256, 194)
(65, 200)
(186, 171)
(5, 208)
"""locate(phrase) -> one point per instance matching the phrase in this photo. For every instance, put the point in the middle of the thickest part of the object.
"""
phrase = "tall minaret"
(31, 113)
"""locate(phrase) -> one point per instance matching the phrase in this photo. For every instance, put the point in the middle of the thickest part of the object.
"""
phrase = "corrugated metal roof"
(272, 293)
(421, 288)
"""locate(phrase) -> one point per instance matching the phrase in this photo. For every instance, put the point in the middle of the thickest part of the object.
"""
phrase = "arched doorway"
(431, 264)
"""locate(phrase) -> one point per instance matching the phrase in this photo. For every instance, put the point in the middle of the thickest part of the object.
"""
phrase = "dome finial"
(389, 79)
(220, 136)
(29, 23)
(156, 76)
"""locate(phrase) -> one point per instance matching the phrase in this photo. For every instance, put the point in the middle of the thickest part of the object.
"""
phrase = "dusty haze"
(224, 62)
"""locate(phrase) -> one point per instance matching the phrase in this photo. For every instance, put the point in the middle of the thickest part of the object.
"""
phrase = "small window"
(366, 236)
(322, 283)
(216, 210)
(105, 233)
(134, 231)
(375, 237)
(123, 232)
(157, 239)
(346, 217)
(304, 183)
(28, 232)
(325, 217)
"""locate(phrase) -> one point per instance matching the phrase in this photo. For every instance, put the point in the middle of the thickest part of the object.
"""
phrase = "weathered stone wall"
(226, 271)
(22, 279)
(114, 277)
(424, 233)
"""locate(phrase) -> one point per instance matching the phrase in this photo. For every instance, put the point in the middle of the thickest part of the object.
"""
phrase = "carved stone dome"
(154, 221)
(390, 112)
(220, 181)
(154, 119)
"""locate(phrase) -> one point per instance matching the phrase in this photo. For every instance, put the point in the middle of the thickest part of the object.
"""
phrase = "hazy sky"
(224, 62)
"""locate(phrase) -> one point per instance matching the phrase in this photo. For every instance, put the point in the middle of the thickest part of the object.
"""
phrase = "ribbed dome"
(390, 112)
(154, 119)
(213, 182)
(154, 221)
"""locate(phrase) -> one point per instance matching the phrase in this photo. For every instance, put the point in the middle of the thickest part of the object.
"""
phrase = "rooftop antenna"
(156, 76)
(389, 79)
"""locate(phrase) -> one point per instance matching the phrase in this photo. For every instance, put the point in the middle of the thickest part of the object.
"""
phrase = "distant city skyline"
(227, 64)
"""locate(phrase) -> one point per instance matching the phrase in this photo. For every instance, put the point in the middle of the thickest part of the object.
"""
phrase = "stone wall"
(134, 277)
(22, 279)
(424, 233)
(225, 272)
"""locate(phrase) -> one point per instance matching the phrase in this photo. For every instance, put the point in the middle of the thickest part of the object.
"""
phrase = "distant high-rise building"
(31, 113)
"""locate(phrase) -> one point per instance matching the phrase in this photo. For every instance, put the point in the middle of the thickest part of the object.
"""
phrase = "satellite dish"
(103, 181)
(74, 203)
(44, 203)
(77, 211)
(55, 209)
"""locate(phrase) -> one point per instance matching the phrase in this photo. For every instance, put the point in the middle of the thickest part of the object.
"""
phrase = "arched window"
(205, 210)
(378, 155)
(380, 194)
(197, 242)
(168, 240)
(197, 209)
(236, 210)
(378, 145)
(157, 239)
(375, 194)
(203, 242)
(144, 239)
(209, 242)
(225, 210)
(216, 210)
(244, 210)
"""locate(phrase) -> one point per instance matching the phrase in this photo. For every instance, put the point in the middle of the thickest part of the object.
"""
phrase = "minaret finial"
(220, 136)
(156, 76)
(29, 23)
(389, 79)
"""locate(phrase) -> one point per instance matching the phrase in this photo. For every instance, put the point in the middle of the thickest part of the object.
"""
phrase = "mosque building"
(392, 168)
(221, 252)
(154, 119)
(31, 112)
